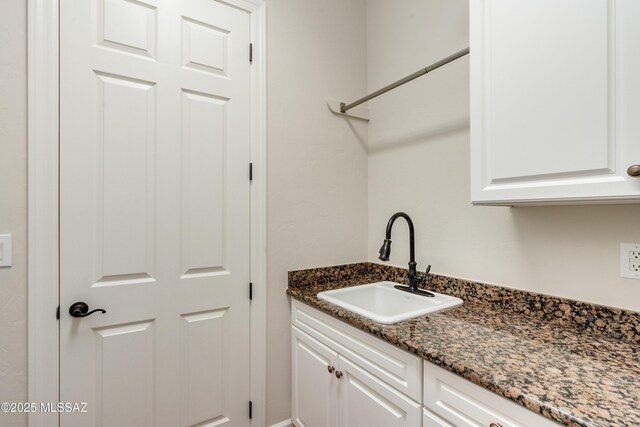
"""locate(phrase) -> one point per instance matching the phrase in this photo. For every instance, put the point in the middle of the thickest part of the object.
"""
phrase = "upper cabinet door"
(555, 100)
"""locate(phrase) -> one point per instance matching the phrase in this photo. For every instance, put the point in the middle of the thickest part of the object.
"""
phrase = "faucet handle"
(425, 279)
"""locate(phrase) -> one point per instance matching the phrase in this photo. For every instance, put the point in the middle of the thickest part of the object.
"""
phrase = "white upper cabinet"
(555, 100)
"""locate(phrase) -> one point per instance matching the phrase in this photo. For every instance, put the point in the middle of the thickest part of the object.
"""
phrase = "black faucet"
(413, 277)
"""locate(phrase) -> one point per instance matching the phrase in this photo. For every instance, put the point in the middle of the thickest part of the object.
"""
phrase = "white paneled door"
(154, 212)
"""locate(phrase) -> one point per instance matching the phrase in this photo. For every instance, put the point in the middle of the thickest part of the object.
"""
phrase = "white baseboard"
(285, 423)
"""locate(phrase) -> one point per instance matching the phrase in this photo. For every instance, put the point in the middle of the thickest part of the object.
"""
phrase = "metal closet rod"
(345, 107)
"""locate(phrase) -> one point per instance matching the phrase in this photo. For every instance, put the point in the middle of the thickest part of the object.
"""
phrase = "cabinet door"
(366, 401)
(314, 389)
(555, 97)
(431, 420)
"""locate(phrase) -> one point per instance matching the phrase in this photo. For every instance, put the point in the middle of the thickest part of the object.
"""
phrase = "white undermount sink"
(382, 303)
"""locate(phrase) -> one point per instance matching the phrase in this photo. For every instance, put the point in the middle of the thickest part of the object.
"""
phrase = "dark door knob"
(634, 170)
(81, 309)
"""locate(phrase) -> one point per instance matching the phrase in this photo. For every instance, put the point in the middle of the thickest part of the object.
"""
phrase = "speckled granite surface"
(575, 363)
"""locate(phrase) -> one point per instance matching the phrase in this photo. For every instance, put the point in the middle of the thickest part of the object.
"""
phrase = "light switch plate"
(5, 250)
(630, 260)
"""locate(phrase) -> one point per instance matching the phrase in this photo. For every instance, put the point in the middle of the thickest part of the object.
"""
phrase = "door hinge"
(250, 53)
(250, 291)
(250, 171)
(250, 409)
(58, 313)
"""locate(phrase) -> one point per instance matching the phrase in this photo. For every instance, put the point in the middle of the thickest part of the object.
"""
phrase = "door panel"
(129, 26)
(125, 177)
(205, 47)
(154, 212)
(126, 355)
(203, 367)
(314, 388)
(202, 222)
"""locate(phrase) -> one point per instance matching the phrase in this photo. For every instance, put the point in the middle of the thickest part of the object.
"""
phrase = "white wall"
(419, 163)
(13, 206)
(317, 189)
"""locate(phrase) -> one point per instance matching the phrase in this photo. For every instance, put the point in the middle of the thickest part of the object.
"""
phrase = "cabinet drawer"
(452, 400)
(394, 366)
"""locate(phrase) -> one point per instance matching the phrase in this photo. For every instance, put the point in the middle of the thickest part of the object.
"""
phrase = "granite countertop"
(560, 367)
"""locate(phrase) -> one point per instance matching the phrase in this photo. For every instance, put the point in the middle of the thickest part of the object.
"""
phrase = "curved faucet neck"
(412, 243)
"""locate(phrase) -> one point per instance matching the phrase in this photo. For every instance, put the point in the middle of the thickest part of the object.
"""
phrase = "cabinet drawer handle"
(495, 425)
(330, 369)
(634, 170)
(338, 374)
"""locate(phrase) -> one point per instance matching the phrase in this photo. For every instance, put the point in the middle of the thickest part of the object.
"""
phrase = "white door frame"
(43, 255)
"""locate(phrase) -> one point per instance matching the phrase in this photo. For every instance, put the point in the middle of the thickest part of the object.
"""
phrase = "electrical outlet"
(5, 250)
(630, 260)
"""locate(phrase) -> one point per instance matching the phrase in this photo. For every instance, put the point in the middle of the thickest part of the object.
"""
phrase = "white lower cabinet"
(329, 391)
(314, 387)
(343, 377)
